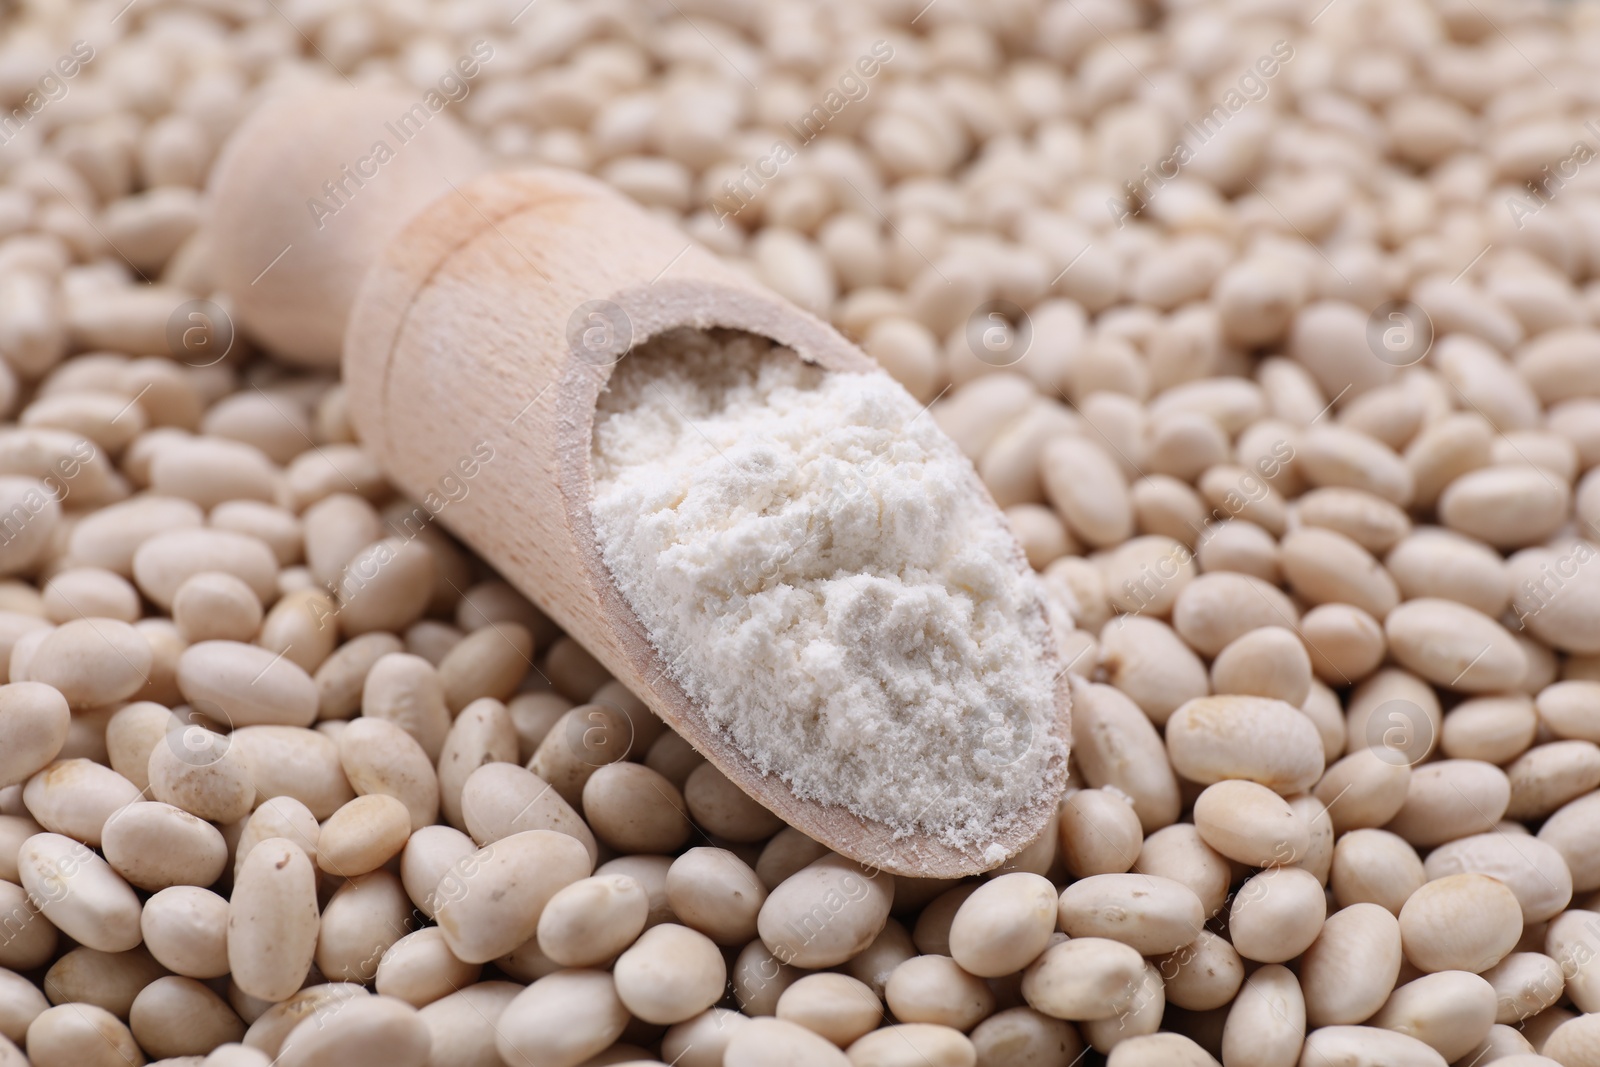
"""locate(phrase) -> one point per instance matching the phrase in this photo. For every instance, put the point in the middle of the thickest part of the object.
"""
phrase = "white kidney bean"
(483, 733)
(1270, 662)
(1152, 914)
(634, 809)
(211, 470)
(267, 1032)
(1149, 1050)
(1435, 562)
(1533, 870)
(79, 893)
(1084, 978)
(379, 757)
(1180, 853)
(75, 797)
(365, 1032)
(300, 627)
(1571, 831)
(203, 772)
(1145, 659)
(907, 1044)
(1454, 646)
(1251, 824)
(186, 930)
(1370, 787)
(825, 913)
(385, 586)
(1450, 799)
(1202, 975)
(407, 691)
(363, 835)
(562, 1019)
(176, 1016)
(1524, 984)
(273, 920)
(713, 891)
(1088, 490)
(365, 916)
(89, 592)
(1345, 643)
(23, 1002)
(1324, 566)
(671, 973)
(429, 853)
(836, 1006)
(31, 941)
(1375, 867)
(92, 662)
(490, 661)
(500, 799)
(1573, 1041)
(110, 980)
(591, 921)
(934, 990)
(1212, 739)
(1507, 507)
(294, 763)
(163, 561)
(248, 686)
(1097, 832)
(489, 902)
(582, 740)
(155, 846)
(211, 606)
(1349, 971)
(1117, 746)
(1461, 922)
(455, 1023)
(1277, 914)
(73, 1034)
(1451, 1011)
(1367, 1044)
(1547, 776)
(1495, 729)
(1004, 925)
(341, 677)
(723, 809)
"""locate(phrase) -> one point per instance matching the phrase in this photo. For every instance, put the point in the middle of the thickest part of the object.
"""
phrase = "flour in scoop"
(822, 571)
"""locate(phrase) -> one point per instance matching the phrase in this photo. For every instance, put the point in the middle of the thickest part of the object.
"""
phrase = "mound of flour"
(817, 564)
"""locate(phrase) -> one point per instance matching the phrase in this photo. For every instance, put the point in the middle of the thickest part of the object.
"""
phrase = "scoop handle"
(306, 193)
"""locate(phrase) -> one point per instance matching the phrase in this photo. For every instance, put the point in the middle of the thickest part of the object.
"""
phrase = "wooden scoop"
(476, 348)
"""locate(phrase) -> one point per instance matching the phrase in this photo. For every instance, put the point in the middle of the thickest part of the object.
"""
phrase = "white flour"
(815, 561)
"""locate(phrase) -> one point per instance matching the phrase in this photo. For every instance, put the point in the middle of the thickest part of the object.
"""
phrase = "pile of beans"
(1302, 433)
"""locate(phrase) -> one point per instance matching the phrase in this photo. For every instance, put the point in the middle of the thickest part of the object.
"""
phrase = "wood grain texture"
(459, 337)
(292, 274)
